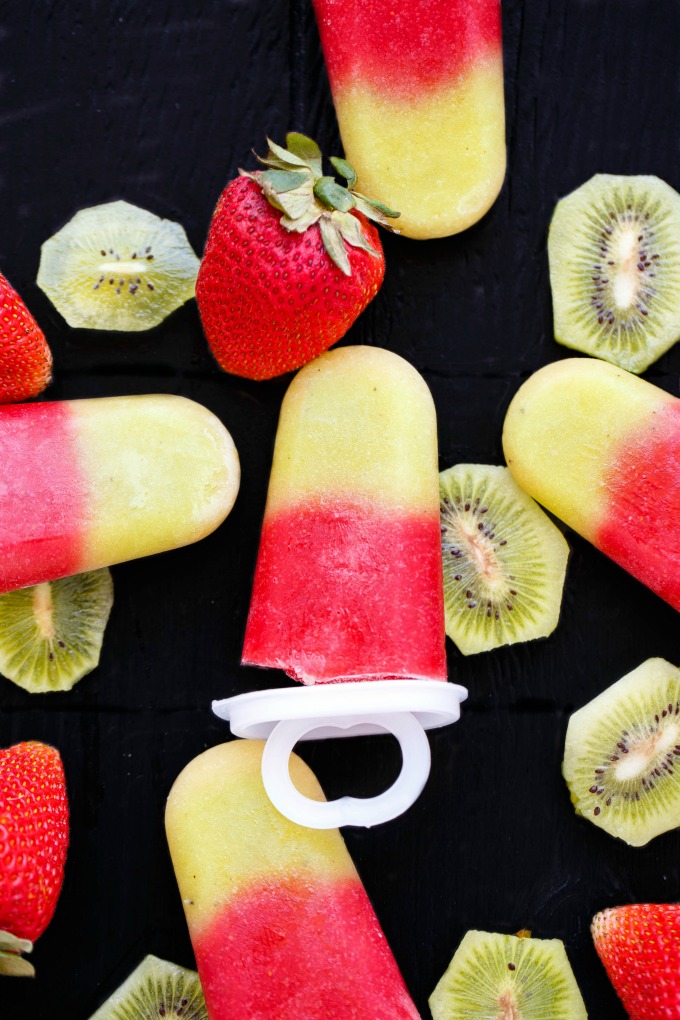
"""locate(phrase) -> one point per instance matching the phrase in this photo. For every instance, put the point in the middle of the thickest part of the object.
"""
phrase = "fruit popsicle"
(600, 448)
(348, 583)
(418, 92)
(281, 926)
(88, 483)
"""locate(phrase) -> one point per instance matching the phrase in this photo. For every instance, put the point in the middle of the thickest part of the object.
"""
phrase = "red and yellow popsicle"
(88, 483)
(600, 448)
(348, 584)
(418, 91)
(281, 926)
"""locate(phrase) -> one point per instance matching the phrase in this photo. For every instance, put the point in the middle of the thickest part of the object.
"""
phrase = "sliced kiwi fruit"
(51, 634)
(614, 250)
(508, 977)
(622, 755)
(116, 266)
(504, 560)
(156, 990)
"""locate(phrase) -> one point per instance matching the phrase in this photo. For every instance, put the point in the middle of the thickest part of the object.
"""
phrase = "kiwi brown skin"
(622, 755)
(614, 252)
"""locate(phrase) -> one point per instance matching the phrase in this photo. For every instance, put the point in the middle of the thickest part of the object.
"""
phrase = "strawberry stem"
(295, 185)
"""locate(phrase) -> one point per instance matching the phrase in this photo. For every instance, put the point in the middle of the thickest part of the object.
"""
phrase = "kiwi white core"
(626, 255)
(43, 607)
(614, 248)
(647, 753)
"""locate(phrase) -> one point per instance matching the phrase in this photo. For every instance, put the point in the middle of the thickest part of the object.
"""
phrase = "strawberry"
(25, 358)
(33, 843)
(640, 947)
(291, 260)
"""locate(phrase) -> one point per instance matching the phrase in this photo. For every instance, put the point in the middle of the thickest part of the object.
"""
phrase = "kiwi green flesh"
(156, 989)
(118, 267)
(622, 755)
(504, 560)
(505, 977)
(614, 250)
(51, 634)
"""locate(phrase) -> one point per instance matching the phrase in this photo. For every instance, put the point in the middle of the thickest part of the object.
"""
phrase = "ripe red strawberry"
(25, 358)
(290, 262)
(33, 839)
(640, 947)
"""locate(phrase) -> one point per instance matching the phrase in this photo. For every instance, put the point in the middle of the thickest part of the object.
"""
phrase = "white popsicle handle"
(415, 751)
(405, 708)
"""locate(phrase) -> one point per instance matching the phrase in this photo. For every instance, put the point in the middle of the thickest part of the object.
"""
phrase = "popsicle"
(281, 926)
(418, 92)
(348, 583)
(600, 448)
(88, 483)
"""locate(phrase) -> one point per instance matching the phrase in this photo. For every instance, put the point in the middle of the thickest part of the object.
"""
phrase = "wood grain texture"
(160, 104)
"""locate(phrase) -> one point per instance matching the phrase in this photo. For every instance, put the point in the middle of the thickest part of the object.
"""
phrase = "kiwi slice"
(116, 266)
(508, 977)
(622, 755)
(156, 989)
(504, 560)
(51, 634)
(614, 250)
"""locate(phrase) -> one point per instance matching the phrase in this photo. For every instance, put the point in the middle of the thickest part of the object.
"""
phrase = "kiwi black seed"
(508, 977)
(51, 634)
(156, 990)
(504, 560)
(622, 755)
(614, 249)
(116, 266)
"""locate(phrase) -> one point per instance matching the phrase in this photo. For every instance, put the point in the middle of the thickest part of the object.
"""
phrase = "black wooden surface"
(159, 103)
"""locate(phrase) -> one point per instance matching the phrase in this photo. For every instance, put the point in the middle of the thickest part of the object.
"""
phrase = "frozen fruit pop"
(418, 92)
(88, 483)
(281, 926)
(600, 448)
(348, 584)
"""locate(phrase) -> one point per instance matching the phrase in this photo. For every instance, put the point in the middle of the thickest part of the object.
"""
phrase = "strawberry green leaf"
(285, 180)
(12, 963)
(294, 203)
(333, 195)
(276, 164)
(380, 206)
(350, 229)
(284, 156)
(306, 149)
(372, 213)
(299, 224)
(345, 170)
(334, 244)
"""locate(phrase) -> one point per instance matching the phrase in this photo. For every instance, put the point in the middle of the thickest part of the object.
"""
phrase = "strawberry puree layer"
(41, 495)
(641, 531)
(348, 592)
(403, 46)
(295, 951)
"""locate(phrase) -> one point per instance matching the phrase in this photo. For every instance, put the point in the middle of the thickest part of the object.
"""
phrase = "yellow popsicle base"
(357, 420)
(440, 159)
(159, 472)
(225, 835)
(563, 425)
